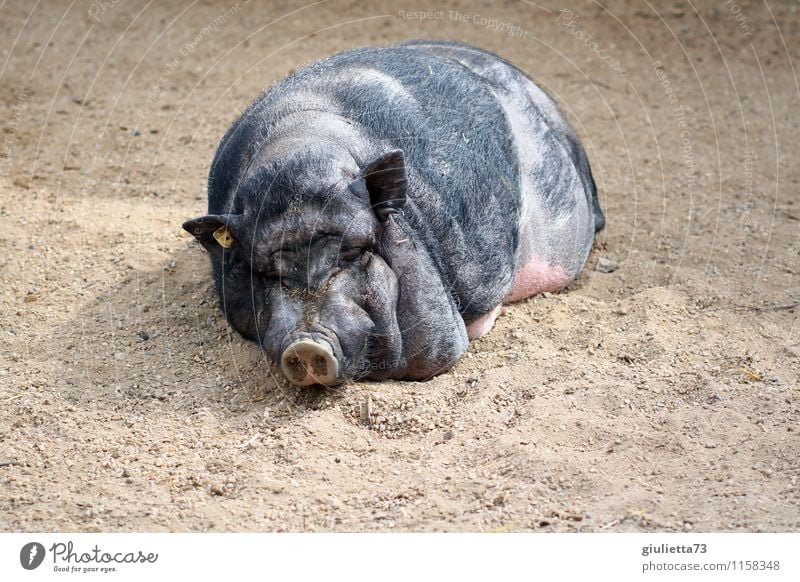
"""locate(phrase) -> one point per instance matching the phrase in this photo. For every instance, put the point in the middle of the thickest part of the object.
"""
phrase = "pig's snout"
(308, 362)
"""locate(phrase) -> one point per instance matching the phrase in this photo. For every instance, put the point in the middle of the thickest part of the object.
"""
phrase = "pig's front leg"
(433, 332)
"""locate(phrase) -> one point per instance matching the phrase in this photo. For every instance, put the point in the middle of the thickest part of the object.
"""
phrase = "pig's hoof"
(308, 362)
(481, 326)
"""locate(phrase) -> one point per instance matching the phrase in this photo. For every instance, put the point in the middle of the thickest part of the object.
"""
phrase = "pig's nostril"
(293, 369)
(320, 364)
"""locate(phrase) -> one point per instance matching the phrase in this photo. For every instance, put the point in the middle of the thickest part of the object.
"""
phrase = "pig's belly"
(537, 276)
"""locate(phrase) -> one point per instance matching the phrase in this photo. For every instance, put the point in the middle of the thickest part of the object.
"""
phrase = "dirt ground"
(658, 393)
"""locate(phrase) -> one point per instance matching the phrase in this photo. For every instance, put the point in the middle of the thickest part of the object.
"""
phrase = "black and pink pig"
(368, 215)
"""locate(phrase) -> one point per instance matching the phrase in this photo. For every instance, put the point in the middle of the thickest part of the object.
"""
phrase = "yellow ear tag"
(224, 237)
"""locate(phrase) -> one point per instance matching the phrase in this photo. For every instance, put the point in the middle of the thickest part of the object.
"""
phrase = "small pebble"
(606, 265)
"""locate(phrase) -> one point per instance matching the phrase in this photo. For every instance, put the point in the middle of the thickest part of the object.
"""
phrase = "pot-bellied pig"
(368, 215)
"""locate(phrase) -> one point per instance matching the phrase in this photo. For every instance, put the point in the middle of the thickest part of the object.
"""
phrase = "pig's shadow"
(157, 339)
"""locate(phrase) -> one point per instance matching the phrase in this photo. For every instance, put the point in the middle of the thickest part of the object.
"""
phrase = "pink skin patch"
(481, 326)
(537, 276)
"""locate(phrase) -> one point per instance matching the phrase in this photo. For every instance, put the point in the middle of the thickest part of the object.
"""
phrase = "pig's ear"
(214, 230)
(385, 179)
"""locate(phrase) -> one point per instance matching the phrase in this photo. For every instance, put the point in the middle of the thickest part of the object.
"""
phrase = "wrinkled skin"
(368, 215)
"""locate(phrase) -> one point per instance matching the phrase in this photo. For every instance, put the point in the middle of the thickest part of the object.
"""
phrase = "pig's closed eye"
(347, 256)
(271, 279)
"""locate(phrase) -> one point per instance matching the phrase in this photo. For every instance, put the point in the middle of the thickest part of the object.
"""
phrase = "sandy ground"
(660, 396)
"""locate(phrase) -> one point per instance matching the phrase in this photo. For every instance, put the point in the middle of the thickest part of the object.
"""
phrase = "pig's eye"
(271, 279)
(349, 255)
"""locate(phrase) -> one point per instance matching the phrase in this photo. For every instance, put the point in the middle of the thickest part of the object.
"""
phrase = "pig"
(369, 214)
